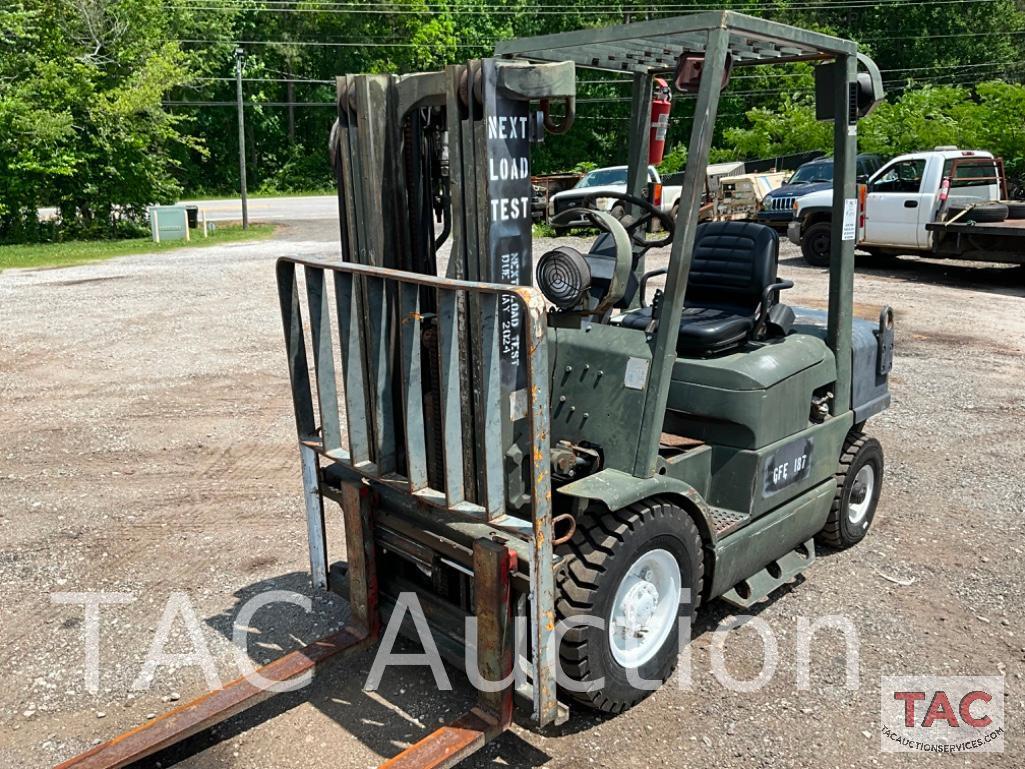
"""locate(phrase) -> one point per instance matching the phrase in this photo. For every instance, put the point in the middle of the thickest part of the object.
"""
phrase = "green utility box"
(169, 223)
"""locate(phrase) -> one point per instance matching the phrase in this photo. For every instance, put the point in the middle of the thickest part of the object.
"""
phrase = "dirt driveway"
(147, 450)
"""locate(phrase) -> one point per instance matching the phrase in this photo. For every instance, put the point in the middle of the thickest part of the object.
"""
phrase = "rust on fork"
(214, 707)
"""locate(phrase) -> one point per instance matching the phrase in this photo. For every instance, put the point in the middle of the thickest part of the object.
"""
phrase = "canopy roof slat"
(655, 46)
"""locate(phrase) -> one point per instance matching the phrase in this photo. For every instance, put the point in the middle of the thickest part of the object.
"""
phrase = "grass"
(80, 251)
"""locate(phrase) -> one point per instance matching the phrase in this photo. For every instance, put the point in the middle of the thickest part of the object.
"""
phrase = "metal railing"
(367, 342)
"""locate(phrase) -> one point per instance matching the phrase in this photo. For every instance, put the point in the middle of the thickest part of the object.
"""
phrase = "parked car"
(610, 179)
(777, 209)
(945, 203)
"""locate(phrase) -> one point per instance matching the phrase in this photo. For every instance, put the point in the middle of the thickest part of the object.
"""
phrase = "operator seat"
(732, 292)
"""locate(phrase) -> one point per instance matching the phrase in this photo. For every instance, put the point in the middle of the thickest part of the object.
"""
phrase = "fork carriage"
(509, 452)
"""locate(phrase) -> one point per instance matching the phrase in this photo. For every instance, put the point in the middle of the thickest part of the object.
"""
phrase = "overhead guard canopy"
(649, 47)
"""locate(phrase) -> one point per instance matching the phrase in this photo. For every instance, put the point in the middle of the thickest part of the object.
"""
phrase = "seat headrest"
(733, 262)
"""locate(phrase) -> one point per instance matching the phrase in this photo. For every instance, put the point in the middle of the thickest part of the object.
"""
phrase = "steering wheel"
(635, 227)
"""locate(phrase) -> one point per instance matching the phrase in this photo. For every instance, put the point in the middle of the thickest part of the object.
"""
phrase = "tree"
(82, 88)
(34, 136)
(109, 105)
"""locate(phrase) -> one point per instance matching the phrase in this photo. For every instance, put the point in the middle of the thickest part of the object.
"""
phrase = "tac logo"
(933, 714)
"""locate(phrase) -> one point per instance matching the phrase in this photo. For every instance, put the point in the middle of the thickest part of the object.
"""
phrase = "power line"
(328, 43)
(261, 80)
(248, 104)
(900, 84)
(377, 43)
(315, 81)
(959, 77)
(389, 9)
(989, 64)
(946, 36)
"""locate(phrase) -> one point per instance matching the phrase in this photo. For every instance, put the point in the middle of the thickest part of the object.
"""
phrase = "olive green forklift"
(564, 451)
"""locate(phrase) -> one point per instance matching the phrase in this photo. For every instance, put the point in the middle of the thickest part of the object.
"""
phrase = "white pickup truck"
(941, 204)
(611, 179)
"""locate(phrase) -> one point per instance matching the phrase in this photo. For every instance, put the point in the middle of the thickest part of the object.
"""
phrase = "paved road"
(285, 209)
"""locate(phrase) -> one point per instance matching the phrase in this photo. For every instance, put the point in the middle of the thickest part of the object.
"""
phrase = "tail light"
(657, 195)
(862, 197)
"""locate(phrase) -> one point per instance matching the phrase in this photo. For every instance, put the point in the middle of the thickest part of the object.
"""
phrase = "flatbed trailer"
(979, 242)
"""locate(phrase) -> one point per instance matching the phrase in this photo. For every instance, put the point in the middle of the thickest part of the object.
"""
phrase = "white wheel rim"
(863, 488)
(645, 608)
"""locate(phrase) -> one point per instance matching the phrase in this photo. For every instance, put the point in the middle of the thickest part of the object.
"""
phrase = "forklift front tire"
(625, 575)
(859, 480)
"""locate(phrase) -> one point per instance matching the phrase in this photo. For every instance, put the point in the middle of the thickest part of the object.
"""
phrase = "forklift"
(573, 460)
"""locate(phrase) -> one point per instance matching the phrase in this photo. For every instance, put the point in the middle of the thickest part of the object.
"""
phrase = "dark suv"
(777, 208)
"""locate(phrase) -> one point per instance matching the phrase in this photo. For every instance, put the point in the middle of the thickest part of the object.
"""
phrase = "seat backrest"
(733, 263)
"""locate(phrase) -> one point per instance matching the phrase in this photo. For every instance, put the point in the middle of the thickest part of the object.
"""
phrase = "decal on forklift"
(509, 233)
(636, 377)
(791, 463)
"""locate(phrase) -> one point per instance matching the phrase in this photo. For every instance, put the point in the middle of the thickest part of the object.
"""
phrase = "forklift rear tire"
(625, 573)
(816, 244)
(859, 480)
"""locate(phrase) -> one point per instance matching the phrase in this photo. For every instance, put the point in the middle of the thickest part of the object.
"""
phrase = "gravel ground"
(148, 449)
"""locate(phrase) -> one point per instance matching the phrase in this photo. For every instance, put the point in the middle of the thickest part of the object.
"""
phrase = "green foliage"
(82, 124)
(919, 119)
(1001, 128)
(105, 108)
(987, 117)
(674, 160)
(789, 130)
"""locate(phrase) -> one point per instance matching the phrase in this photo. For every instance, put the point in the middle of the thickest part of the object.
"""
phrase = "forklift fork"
(493, 563)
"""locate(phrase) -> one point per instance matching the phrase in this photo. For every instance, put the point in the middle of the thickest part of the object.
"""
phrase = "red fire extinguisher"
(661, 103)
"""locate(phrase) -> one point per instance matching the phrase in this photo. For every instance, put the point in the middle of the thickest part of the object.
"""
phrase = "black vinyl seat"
(732, 291)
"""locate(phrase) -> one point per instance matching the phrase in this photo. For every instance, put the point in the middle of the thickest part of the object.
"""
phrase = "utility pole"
(239, 54)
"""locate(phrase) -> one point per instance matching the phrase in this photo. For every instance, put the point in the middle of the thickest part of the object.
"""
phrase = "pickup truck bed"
(982, 242)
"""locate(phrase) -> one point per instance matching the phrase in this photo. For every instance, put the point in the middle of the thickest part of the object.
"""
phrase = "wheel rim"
(645, 608)
(820, 246)
(861, 496)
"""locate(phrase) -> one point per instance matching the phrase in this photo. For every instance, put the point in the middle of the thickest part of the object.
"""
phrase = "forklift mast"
(421, 378)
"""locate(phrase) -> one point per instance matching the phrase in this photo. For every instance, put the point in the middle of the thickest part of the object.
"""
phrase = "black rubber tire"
(816, 244)
(988, 212)
(676, 210)
(600, 553)
(858, 450)
(1015, 209)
